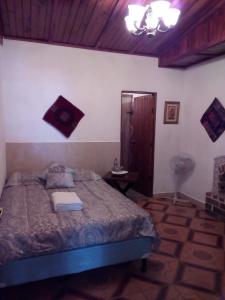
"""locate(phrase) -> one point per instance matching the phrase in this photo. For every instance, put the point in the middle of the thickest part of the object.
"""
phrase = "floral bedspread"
(30, 227)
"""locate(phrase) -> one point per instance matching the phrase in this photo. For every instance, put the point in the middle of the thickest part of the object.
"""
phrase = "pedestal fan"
(182, 166)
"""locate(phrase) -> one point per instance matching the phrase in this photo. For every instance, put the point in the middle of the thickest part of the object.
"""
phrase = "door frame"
(154, 125)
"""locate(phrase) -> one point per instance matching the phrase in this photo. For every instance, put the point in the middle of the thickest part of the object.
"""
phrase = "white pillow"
(59, 180)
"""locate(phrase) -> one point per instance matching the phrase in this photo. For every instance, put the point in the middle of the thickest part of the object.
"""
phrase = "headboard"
(97, 156)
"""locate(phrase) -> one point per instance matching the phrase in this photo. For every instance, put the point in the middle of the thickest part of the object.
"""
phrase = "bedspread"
(30, 227)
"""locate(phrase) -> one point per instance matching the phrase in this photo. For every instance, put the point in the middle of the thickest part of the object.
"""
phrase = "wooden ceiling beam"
(99, 25)
(151, 42)
(205, 40)
(198, 11)
(106, 25)
(1, 28)
(1, 36)
(192, 20)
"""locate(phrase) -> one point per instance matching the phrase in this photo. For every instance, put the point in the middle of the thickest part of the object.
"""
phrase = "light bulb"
(130, 24)
(136, 13)
(170, 19)
(160, 8)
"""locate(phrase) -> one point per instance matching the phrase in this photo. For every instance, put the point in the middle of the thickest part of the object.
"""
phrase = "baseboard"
(193, 200)
(180, 195)
(164, 195)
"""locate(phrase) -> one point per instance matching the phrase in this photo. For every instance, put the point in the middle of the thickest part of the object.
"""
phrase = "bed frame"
(74, 261)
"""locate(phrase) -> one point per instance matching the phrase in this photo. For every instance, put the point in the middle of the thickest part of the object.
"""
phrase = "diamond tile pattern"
(189, 264)
(204, 256)
(206, 239)
(200, 278)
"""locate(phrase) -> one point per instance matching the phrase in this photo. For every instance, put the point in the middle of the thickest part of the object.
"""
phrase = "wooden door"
(137, 149)
(126, 132)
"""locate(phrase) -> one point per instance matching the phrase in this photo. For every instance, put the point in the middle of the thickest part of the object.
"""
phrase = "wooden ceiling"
(99, 25)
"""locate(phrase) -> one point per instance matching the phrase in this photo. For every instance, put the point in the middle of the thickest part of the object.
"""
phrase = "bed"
(37, 243)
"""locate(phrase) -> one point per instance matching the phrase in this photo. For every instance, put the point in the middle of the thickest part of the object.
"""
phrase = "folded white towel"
(65, 201)
(66, 208)
(66, 198)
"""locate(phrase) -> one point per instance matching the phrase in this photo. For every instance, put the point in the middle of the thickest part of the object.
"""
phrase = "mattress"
(30, 227)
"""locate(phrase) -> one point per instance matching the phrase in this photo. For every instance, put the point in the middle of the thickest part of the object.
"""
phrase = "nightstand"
(121, 182)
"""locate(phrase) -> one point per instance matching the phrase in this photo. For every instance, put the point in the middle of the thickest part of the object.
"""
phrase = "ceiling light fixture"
(157, 16)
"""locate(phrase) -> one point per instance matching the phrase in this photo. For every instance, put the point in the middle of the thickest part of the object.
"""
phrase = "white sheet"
(65, 201)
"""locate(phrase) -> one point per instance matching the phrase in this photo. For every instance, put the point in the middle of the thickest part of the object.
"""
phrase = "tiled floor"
(189, 264)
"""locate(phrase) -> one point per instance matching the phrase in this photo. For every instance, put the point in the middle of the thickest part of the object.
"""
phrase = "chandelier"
(156, 16)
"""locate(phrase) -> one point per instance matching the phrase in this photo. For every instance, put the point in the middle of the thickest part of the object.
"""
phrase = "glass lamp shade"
(130, 24)
(136, 13)
(151, 21)
(160, 8)
(171, 17)
(157, 16)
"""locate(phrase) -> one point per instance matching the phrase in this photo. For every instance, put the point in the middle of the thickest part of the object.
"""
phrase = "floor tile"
(134, 286)
(185, 203)
(177, 292)
(204, 215)
(207, 226)
(173, 232)
(176, 220)
(156, 206)
(157, 216)
(149, 296)
(161, 268)
(203, 256)
(99, 283)
(168, 247)
(164, 201)
(206, 239)
(135, 296)
(181, 211)
(72, 297)
(199, 278)
(189, 264)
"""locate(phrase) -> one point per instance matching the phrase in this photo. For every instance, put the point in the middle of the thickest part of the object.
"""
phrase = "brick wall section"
(215, 204)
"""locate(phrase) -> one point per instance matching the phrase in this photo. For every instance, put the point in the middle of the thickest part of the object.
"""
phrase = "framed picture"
(171, 112)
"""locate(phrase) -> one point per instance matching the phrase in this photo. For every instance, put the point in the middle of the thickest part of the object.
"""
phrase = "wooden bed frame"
(74, 261)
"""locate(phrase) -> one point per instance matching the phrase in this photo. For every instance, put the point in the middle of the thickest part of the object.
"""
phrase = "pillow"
(78, 174)
(59, 180)
(85, 175)
(23, 178)
(55, 168)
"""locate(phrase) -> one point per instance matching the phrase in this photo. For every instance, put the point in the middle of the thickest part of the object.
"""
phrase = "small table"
(121, 182)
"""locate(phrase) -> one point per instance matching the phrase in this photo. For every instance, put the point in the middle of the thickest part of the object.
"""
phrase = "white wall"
(203, 83)
(35, 74)
(2, 139)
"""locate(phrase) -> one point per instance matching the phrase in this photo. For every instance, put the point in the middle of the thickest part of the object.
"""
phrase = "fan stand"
(177, 199)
